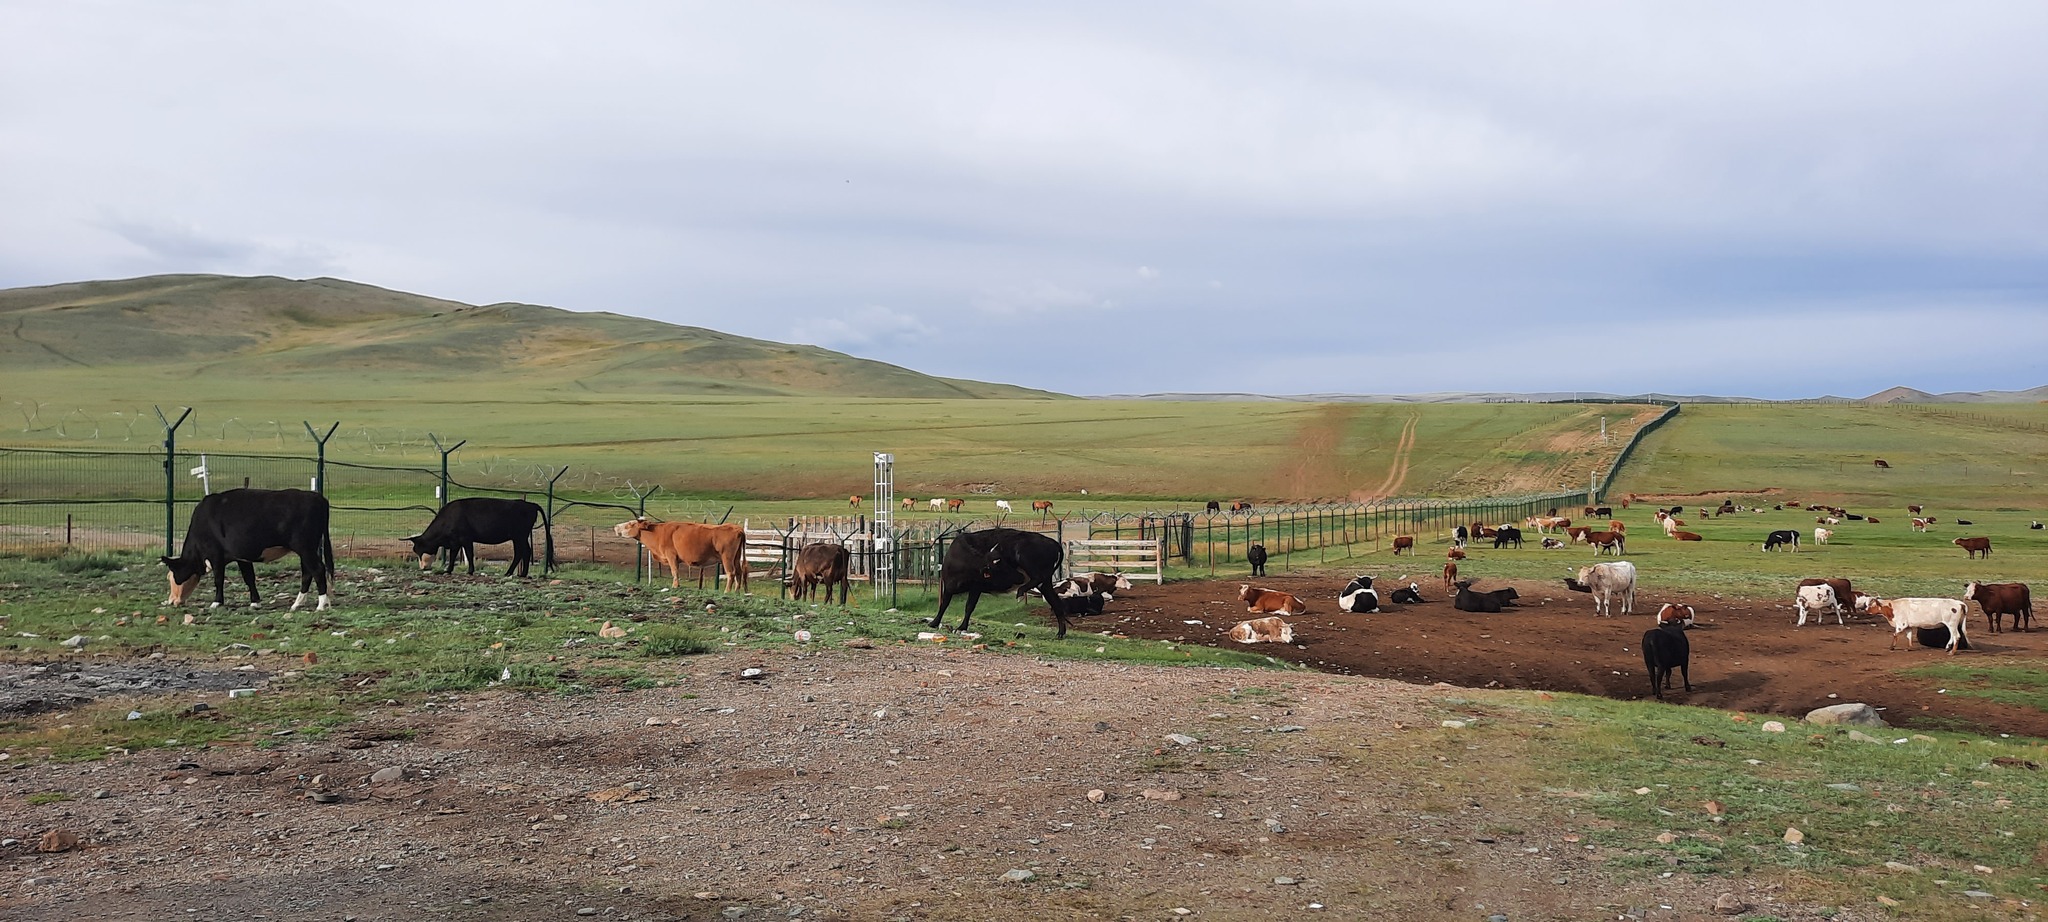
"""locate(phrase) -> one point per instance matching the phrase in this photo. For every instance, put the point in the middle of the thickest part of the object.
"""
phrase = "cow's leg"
(220, 582)
(249, 577)
(522, 554)
(945, 598)
(967, 614)
(1055, 601)
(1685, 675)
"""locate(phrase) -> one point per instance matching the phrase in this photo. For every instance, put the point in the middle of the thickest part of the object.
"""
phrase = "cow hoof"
(322, 606)
(214, 605)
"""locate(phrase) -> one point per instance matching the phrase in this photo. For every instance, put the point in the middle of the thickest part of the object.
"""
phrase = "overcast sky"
(1764, 199)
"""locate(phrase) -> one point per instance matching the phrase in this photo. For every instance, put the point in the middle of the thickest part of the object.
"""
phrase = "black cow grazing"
(1777, 539)
(1359, 597)
(1664, 649)
(245, 526)
(1853, 517)
(1508, 534)
(1256, 556)
(465, 523)
(821, 565)
(1490, 602)
(1410, 594)
(1459, 535)
(1214, 507)
(1676, 510)
(999, 560)
(1604, 512)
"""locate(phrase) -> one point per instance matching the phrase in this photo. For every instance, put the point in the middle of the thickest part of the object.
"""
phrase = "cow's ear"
(413, 537)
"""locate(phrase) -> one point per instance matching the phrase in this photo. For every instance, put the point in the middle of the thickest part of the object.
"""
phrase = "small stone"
(1844, 786)
(324, 797)
(1181, 739)
(43, 881)
(1019, 876)
(1981, 869)
(587, 911)
(1728, 905)
(1862, 737)
(1715, 808)
(1284, 881)
(1454, 725)
(1774, 726)
(655, 721)
(57, 840)
(134, 715)
(1888, 901)
(1793, 836)
(1901, 866)
(1665, 838)
(1977, 894)
(1861, 715)
(76, 641)
(386, 775)
(1158, 794)
(753, 672)
(1642, 790)
(1097, 796)
(1275, 826)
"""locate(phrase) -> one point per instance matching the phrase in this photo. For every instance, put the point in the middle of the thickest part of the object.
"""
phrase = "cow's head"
(1121, 582)
(424, 551)
(631, 528)
(184, 576)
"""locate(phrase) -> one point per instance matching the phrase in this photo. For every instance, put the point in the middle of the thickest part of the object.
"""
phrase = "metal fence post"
(441, 493)
(170, 474)
(548, 563)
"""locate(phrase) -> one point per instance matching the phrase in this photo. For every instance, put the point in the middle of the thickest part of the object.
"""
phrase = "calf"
(821, 565)
(1450, 576)
(1687, 536)
(1551, 544)
(1607, 541)
(1674, 613)
(1410, 594)
(1821, 535)
(999, 560)
(1089, 604)
(1102, 582)
(465, 523)
(245, 526)
(1489, 602)
(1972, 547)
(1458, 553)
(1256, 556)
(1263, 630)
(1920, 524)
(1359, 597)
(676, 544)
(1607, 582)
(1781, 538)
(1664, 649)
(1913, 510)
(1507, 535)
(1404, 543)
(2036, 525)
(1906, 614)
(1269, 601)
(1817, 601)
(2001, 599)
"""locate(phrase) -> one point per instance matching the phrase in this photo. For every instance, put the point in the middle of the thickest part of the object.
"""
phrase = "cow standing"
(676, 544)
(1256, 556)
(248, 525)
(999, 560)
(465, 523)
(821, 564)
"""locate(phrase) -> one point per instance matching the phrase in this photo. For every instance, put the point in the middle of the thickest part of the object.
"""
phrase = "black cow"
(245, 526)
(1676, 510)
(1489, 602)
(1781, 538)
(1410, 594)
(1664, 649)
(465, 523)
(1507, 535)
(999, 560)
(1090, 604)
(1256, 555)
(1214, 507)
(1603, 512)
(1359, 597)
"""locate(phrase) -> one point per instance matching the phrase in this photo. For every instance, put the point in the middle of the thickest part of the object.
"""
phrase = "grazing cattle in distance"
(1578, 533)
(1358, 597)
(1821, 535)
(1907, 614)
(1687, 536)
(1508, 534)
(1817, 600)
(821, 565)
(999, 560)
(1241, 506)
(1003, 505)
(465, 523)
(1920, 524)
(1256, 556)
(1489, 602)
(1410, 594)
(1676, 510)
(1606, 582)
(679, 544)
(2001, 599)
(2035, 525)
(853, 500)
(1450, 576)
(1213, 507)
(1263, 630)
(1618, 527)
(1872, 520)
(1544, 523)
(1551, 544)
(1607, 541)
(247, 525)
(1974, 546)
(1913, 510)
(1665, 648)
(955, 505)
(1781, 538)
(1674, 613)
(1881, 464)
(1483, 532)
(1601, 512)
(1269, 601)
(1404, 542)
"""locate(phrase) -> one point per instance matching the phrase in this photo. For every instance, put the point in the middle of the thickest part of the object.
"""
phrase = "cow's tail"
(327, 552)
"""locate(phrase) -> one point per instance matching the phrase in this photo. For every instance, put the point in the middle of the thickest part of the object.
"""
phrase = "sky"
(1746, 199)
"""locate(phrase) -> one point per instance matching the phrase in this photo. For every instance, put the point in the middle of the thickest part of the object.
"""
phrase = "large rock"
(1858, 715)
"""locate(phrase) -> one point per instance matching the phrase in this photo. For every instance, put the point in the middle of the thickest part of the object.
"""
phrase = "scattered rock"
(1181, 739)
(1715, 808)
(1454, 725)
(2010, 762)
(1728, 904)
(1862, 737)
(1861, 715)
(1793, 836)
(387, 775)
(1274, 826)
(1019, 876)
(1665, 838)
(1977, 894)
(1097, 796)
(1888, 901)
(1845, 786)
(859, 643)
(1774, 726)
(57, 840)
(1901, 866)
(1285, 881)
(76, 641)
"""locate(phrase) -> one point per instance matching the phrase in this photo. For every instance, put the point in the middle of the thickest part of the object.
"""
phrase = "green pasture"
(1978, 456)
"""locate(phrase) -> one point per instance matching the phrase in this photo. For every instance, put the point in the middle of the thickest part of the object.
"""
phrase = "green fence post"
(170, 475)
(441, 493)
(320, 460)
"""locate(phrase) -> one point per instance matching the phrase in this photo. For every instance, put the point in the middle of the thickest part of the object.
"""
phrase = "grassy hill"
(180, 330)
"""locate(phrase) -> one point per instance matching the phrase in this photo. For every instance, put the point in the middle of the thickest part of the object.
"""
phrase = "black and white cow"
(1359, 597)
(465, 523)
(1780, 538)
(1410, 594)
(245, 526)
(1459, 535)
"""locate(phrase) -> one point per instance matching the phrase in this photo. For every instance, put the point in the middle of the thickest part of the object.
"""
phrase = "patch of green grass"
(40, 798)
(668, 641)
(2023, 682)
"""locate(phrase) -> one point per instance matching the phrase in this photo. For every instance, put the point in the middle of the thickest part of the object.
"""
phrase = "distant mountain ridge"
(1889, 395)
(275, 328)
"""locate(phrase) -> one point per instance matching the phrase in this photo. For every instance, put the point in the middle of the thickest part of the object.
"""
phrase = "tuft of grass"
(2023, 682)
(672, 640)
(41, 798)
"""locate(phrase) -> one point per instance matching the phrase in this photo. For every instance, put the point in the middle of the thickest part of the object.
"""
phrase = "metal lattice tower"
(882, 576)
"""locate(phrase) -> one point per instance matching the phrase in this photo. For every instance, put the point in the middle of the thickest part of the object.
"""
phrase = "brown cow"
(1607, 540)
(2001, 599)
(1456, 553)
(1687, 536)
(679, 544)
(1450, 576)
(1269, 601)
(1404, 541)
(853, 500)
(1974, 546)
(1617, 527)
(821, 565)
(1578, 533)
(1263, 630)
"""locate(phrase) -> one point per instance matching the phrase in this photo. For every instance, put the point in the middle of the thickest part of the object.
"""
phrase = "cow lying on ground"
(1359, 597)
(1489, 602)
(1410, 594)
(999, 560)
(1973, 547)
(1607, 582)
(1665, 648)
(1781, 538)
(679, 544)
(2001, 599)
(465, 523)
(1263, 630)
(1818, 601)
(245, 526)
(1089, 604)
(1907, 614)
(1687, 536)
(1269, 601)
(1551, 544)
(821, 565)
(1256, 556)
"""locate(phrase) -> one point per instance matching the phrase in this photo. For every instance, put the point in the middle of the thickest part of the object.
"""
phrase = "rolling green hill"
(165, 329)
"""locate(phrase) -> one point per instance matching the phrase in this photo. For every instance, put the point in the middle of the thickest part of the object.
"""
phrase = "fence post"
(548, 564)
(441, 492)
(640, 550)
(320, 459)
(170, 474)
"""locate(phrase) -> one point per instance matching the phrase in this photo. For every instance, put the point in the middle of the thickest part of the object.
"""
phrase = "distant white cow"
(1819, 600)
(1004, 505)
(1821, 535)
(938, 503)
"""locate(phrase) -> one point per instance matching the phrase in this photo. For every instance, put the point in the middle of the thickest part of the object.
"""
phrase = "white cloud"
(1039, 297)
(872, 326)
(1147, 273)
